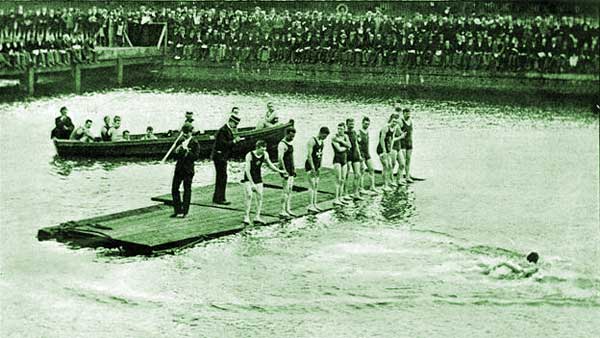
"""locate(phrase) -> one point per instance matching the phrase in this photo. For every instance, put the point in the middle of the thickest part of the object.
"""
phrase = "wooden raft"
(149, 229)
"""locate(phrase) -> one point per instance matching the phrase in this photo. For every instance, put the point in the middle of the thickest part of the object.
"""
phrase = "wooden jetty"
(107, 57)
(149, 229)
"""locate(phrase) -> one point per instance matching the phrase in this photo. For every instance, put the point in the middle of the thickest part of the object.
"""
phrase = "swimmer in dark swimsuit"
(406, 143)
(340, 145)
(511, 270)
(253, 183)
(354, 160)
(398, 137)
(313, 165)
(367, 162)
(384, 149)
(285, 151)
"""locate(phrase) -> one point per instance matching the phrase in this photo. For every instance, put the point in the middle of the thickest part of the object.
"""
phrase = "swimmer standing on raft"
(285, 151)
(312, 165)
(340, 146)
(253, 183)
(384, 150)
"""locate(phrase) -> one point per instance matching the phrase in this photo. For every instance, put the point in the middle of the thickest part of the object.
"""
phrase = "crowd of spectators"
(46, 37)
(492, 42)
(474, 42)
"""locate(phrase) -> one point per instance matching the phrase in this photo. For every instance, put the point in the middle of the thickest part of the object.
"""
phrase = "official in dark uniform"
(63, 126)
(187, 152)
(224, 143)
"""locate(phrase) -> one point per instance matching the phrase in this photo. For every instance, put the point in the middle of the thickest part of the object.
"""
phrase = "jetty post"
(30, 79)
(77, 77)
(120, 71)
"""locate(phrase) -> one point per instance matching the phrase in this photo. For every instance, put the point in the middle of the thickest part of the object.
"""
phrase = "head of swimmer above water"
(533, 257)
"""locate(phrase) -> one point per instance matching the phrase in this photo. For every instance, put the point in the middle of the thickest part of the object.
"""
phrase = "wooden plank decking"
(150, 229)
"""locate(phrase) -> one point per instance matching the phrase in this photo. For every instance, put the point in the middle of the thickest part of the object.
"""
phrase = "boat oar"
(172, 147)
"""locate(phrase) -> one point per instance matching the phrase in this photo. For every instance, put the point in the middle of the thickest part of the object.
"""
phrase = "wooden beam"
(120, 71)
(30, 80)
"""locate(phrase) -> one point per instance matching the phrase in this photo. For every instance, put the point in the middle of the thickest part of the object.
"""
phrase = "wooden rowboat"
(138, 148)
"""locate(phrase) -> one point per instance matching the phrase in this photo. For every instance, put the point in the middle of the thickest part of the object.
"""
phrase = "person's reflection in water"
(61, 166)
(64, 167)
(398, 205)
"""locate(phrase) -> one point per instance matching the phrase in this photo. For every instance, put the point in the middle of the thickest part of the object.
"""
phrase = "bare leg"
(393, 159)
(259, 202)
(371, 172)
(288, 205)
(338, 183)
(247, 200)
(408, 157)
(357, 168)
(284, 198)
(401, 166)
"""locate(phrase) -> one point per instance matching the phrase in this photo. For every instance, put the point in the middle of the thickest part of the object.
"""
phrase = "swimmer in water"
(510, 270)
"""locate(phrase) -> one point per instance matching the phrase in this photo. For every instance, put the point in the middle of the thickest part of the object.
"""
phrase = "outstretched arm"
(272, 166)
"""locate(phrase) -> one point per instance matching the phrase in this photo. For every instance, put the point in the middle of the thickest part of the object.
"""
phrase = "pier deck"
(149, 229)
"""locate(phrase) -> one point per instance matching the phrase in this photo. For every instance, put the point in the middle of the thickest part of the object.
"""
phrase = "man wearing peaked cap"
(225, 141)
(186, 153)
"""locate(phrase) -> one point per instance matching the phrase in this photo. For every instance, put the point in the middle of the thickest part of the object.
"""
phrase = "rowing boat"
(138, 148)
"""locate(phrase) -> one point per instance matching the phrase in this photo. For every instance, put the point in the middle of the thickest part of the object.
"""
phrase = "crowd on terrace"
(44, 37)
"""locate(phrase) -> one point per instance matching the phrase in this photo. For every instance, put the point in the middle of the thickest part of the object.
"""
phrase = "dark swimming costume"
(396, 145)
(255, 165)
(339, 156)
(288, 159)
(353, 154)
(387, 140)
(317, 153)
(363, 145)
(407, 140)
(104, 133)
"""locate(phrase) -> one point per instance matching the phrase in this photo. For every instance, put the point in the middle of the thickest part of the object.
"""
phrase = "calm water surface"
(501, 181)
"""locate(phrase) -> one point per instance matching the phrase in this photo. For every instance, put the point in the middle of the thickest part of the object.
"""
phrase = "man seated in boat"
(114, 132)
(83, 133)
(126, 135)
(189, 118)
(149, 134)
(63, 126)
(105, 129)
(270, 118)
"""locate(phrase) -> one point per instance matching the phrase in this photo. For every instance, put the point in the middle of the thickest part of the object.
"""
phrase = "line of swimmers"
(350, 153)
